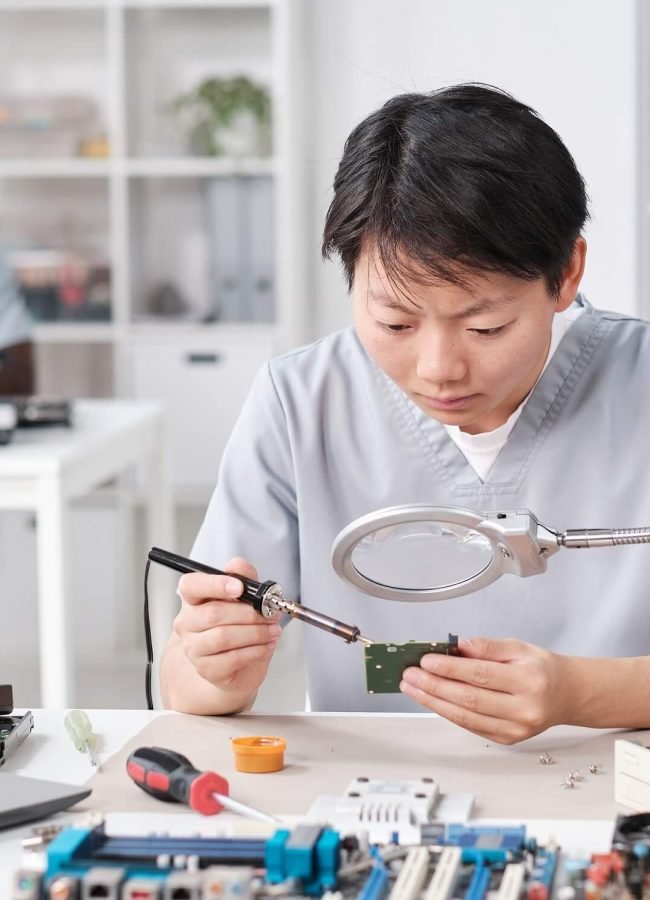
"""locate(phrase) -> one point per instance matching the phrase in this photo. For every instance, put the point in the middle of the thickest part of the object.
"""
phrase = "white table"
(44, 470)
(48, 753)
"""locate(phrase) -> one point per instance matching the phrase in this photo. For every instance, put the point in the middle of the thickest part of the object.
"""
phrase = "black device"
(13, 729)
(31, 412)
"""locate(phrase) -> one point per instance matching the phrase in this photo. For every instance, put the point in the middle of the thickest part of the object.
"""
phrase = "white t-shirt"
(481, 450)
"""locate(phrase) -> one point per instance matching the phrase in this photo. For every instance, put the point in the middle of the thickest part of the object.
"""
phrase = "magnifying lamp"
(422, 552)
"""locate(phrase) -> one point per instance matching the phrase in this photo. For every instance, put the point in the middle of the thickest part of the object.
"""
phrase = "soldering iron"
(266, 597)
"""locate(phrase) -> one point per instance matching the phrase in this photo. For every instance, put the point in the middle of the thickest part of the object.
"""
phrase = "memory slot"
(223, 851)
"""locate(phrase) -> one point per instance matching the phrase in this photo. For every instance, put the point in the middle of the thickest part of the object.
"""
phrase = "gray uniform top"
(325, 436)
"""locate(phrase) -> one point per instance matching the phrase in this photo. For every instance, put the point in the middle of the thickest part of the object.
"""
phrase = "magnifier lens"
(422, 555)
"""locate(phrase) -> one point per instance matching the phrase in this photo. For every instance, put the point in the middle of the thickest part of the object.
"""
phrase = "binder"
(227, 241)
(240, 224)
(259, 272)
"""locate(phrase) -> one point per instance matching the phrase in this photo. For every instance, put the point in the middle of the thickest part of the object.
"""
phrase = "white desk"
(48, 753)
(43, 470)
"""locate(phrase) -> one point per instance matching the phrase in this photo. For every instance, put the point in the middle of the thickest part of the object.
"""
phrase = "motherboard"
(313, 860)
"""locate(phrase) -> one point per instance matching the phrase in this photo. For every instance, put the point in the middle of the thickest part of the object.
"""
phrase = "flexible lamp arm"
(583, 538)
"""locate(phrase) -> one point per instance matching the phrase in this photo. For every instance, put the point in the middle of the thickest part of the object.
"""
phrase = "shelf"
(75, 332)
(44, 5)
(148, 212)
(54, 168)
(200, 167)
(158, 327)
(105, 332)
(195, 4)
(190, 167)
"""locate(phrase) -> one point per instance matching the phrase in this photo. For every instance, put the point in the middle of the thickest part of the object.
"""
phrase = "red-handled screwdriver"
(170, 776)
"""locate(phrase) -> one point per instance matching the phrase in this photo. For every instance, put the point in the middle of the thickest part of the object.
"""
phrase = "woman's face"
(467, 355)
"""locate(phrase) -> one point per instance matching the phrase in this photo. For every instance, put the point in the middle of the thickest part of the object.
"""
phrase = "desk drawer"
(203, 384)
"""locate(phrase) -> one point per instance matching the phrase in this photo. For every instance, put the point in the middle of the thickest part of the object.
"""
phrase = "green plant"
(215, 105)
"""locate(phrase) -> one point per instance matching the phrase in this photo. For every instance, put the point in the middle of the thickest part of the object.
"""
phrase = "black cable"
(147, 639)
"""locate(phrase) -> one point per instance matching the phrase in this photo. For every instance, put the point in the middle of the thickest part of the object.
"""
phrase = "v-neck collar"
(540, 412)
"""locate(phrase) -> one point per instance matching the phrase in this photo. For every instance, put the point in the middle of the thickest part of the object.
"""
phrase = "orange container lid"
(259, 753)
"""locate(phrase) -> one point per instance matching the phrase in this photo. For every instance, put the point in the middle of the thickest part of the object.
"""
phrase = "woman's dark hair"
(458, 180)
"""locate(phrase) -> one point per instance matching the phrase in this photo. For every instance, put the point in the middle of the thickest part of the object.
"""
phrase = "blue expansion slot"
(545, 866)
(480, 881)
(376, 884)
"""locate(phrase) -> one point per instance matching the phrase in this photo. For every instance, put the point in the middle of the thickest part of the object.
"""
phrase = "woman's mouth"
(447, 403)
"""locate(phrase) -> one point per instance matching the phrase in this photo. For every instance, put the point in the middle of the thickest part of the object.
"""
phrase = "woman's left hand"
(501, 689)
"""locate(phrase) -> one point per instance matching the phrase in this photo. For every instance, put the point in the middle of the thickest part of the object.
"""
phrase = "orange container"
(259, 753)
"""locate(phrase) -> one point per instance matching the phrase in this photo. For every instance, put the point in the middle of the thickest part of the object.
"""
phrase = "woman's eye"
(392, 328)
(487, 332)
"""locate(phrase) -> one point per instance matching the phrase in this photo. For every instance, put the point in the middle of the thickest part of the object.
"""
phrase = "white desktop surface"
(48, 753)
(42, 450)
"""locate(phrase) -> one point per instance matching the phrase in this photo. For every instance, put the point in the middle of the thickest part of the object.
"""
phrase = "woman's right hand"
(228, 643)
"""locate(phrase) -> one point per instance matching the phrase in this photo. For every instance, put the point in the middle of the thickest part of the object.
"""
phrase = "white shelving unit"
(143, 205)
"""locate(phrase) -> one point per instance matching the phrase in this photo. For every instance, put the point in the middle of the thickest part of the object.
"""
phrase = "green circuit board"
(386, 662)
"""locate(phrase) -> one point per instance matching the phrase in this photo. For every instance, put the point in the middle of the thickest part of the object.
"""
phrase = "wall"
(572, 61)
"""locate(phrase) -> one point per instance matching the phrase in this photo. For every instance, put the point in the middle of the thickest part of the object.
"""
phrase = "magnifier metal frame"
(520, 546)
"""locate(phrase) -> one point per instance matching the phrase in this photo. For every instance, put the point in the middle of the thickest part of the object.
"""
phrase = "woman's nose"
(440, 361)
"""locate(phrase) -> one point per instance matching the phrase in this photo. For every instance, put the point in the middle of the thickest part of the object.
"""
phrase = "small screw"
(576, 775)
(595, 768)
(546, 759)
(568, 783)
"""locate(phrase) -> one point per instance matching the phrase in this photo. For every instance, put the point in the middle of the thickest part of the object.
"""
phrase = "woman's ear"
(572, 276)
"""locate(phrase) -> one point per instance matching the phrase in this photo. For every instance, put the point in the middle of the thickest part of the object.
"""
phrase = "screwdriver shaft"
(91, 753)
(243, 809)
(77, 725)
